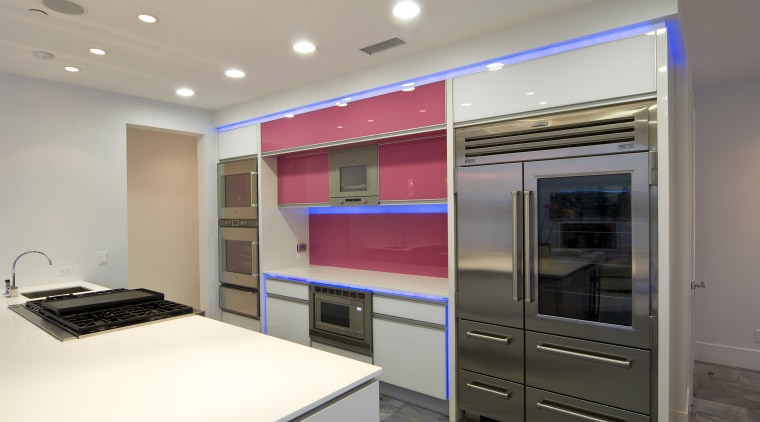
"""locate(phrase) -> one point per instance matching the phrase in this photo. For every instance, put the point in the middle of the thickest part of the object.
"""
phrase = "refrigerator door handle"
(517, 237)
(528, 246)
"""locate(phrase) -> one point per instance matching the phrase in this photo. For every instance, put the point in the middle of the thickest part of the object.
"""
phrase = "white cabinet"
(409, 339)
(239, 142)
(287, 310)
(609, 70)
(360, 405)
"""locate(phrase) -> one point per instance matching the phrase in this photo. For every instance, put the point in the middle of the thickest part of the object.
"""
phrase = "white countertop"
(432, 288)
(185, 369)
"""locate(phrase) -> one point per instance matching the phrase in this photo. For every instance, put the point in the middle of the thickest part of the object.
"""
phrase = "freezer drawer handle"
(585, 354)
(498, 338)
(575, 412)
(490, 389)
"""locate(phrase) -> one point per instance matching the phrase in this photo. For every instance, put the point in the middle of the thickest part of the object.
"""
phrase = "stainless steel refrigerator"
(555, 270)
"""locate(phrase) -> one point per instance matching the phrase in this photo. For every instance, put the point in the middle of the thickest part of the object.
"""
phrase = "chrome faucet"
(13, 277)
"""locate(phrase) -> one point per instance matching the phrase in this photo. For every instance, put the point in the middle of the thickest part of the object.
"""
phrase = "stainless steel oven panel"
(543, 406)
(491, 349)
(599, 295)
(364, 189)
(613, 375)
(246, 171)
(239, 301)
(357, 336)
(493, 398)
(489, 264)
(249, 278)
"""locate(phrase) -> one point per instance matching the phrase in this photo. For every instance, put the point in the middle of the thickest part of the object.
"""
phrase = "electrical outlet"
(64, 271)
(757, 336)
(103, 257)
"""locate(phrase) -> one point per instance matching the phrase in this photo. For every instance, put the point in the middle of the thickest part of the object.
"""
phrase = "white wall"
(63, 178)
(727, 311)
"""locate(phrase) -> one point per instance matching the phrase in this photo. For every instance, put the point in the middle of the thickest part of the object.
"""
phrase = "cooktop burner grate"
(104, 310)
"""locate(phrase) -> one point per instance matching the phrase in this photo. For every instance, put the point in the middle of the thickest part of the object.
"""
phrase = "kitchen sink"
(54, 292)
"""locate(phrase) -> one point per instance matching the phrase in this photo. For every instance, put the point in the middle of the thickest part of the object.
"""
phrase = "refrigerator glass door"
(587, 248)
(489, 277)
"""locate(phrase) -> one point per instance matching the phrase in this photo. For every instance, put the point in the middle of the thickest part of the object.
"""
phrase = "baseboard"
(727, 355)
(678, 416)
(418, 399)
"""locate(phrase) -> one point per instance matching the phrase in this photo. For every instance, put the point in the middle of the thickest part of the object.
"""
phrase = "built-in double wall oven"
(238, 238)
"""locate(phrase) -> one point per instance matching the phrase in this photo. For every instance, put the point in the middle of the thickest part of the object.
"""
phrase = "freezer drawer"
(493, 398)
(239, 301)
(543, 406)
(491, 349)
(613, 375)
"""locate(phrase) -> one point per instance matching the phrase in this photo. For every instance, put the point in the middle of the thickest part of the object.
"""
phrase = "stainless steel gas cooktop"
(74, 316)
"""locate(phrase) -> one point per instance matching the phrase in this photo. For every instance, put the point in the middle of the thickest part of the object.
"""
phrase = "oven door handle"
(254, 189)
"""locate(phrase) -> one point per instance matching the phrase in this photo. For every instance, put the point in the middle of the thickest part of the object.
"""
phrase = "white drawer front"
(287, 288)
(433, 313)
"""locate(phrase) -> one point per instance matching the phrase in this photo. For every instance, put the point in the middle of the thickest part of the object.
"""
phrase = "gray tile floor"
(725, 394)
(392, 410)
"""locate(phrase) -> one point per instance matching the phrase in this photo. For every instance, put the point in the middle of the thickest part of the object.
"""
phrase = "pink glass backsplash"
(398, 243)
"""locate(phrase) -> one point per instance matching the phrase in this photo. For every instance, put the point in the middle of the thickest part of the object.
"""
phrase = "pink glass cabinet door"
(413, 170)
(303, 179)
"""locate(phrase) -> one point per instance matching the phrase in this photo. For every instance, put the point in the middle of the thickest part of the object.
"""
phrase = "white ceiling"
(195, 41)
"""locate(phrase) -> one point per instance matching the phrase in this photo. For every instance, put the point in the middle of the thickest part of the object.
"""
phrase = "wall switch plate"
(757, 336)
(103, 257)
(64, 271)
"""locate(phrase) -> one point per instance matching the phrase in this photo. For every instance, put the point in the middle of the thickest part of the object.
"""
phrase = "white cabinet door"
(412, 356)
(288, 319)
(360, 405)
(239, 142)
(610, 70)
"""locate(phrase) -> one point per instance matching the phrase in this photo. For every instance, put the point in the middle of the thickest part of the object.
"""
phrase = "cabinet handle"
(575, 412)
(490, 389)
(517, 259)
(498, 338)
(586, 355)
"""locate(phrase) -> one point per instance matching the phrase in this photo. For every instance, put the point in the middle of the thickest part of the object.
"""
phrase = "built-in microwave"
(238, 190)
(353, 176)
(341, 317)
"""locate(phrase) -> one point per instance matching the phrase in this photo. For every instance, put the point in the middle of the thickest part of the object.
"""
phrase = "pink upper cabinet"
(303, 179)
(413, 170)
(395, 111)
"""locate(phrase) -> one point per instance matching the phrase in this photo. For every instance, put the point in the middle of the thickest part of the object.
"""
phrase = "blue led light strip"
(382, 209)
(569, 45)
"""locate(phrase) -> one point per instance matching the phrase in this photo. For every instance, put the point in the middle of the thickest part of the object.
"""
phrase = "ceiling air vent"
(383, 45)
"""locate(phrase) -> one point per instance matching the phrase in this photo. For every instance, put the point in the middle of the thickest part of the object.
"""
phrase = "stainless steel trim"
(575, 413)
(287, 299)
(517, 257)
(407, 321)
(490, 389)
(621, 361)
(528, 246)
(497, 338)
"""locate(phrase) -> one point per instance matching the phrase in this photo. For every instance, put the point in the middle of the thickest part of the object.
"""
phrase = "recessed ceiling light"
(71, 68)
(290, 116)
(304, 47)
(185, 92)
(406, 9)
(98, 51)
(466, 104)
(143, 17)
(495, 66)
(530, 93)
(542, 102)
(234, 73)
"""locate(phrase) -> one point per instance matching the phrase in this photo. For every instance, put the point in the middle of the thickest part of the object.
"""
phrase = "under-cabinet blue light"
(548, 50)
(382, 209)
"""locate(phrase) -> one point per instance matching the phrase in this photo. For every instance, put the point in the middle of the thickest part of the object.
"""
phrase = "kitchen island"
(188, 368)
